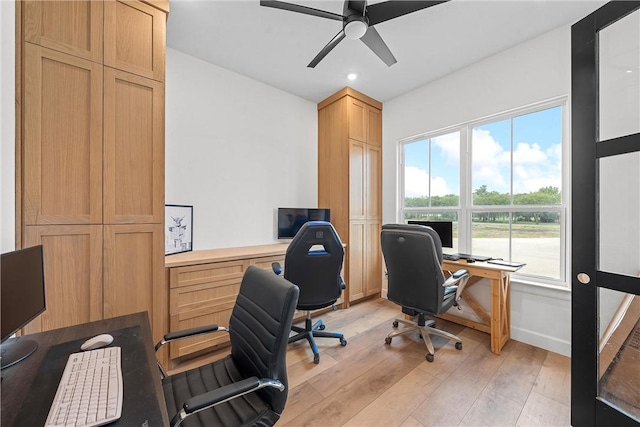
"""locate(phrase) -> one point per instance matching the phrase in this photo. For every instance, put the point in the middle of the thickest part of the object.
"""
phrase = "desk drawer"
(202, 295)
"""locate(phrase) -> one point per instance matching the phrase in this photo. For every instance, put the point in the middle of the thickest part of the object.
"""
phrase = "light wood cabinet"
(132, 254)
(134, 34)
(349, 183)
(133, 149)
(202, 287)
(73, 268)
(62, 145)
(91, 156)
(73, 27)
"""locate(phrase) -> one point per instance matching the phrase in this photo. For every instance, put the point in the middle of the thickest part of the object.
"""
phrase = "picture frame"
(178, 229)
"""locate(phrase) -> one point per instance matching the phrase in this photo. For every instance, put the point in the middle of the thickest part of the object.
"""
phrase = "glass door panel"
(619, 214)
(619, 78)
(619, 351)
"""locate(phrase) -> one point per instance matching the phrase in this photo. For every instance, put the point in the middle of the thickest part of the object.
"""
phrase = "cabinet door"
(374, 126)
(73, 273)
(134, 38)
(356, 259)
(73, 27)
(373, 182)
(62, 145)
(372, 255)
(133, 149)
(133, 272)
(357, 179)
(357, 119)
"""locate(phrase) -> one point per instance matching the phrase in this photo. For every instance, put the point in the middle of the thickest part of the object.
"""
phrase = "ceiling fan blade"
(373, 40)
(328, 48)
(300, 9)
(387, 10)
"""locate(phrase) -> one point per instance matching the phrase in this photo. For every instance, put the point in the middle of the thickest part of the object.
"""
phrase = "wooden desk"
(30, 384)
(498, 322)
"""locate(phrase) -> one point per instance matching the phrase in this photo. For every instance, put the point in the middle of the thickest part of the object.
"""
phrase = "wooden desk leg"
(500, 313)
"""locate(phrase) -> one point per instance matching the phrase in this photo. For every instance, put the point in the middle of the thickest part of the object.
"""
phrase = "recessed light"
(352, 76)
(629, 71)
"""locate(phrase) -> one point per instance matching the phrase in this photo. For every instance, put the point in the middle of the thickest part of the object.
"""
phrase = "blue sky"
(537, 158)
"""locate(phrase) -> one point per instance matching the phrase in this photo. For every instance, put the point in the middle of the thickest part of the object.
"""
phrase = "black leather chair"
(249, 386)
(313, 261)
(413, 258)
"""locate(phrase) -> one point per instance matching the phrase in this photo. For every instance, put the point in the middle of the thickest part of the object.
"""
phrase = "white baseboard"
(545, 342)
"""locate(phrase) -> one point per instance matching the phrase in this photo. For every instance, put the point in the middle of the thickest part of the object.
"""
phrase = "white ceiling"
(274, 46)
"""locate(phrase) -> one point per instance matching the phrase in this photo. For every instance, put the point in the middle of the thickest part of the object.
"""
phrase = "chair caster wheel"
(316, 358)
(430, 357)
(458, 345)
(395, 323)
(343, 342)
(387, 340)
(321, 327)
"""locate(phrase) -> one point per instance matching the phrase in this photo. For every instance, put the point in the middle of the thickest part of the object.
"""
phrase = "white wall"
(236, 149)
(533, 71)
(7, 126)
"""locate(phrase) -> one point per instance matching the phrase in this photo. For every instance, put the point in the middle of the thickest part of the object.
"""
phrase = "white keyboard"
(90, 391)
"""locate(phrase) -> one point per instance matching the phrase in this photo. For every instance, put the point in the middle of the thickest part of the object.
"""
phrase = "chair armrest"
(460, 279)
(191, 332)
(223, 394)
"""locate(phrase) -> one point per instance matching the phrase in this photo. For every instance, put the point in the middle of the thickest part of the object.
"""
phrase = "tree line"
(483, 197)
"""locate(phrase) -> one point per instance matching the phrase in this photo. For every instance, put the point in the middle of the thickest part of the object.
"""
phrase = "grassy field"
(519, 230)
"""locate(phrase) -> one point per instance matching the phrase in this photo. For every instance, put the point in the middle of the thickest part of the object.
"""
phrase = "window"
(500, 181)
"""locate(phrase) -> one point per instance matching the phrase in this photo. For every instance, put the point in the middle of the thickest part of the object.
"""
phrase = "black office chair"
(313, 261)
(249, 386)
(413, 257)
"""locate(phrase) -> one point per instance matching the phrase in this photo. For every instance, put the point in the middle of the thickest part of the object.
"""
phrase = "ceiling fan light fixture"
(355, 29)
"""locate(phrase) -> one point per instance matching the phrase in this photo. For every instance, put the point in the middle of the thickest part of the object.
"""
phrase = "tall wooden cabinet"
(91, 155)
(349, 183)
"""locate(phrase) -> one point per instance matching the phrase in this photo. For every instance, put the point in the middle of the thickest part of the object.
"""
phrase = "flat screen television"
(443, 228)
(291, 219)
(22, 299)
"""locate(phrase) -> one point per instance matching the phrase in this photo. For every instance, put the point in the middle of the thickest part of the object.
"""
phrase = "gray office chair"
(249, 386)
(313, 261)
(413, 258)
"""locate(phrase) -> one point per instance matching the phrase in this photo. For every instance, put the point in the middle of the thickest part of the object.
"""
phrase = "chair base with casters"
(425, 328)
(310, 331)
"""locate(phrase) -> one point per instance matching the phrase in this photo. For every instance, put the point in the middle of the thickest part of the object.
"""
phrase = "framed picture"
(178, 229)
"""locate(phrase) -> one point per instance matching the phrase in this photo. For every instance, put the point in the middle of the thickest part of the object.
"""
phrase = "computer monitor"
(291, 219)
(22, 299)
(443, 228)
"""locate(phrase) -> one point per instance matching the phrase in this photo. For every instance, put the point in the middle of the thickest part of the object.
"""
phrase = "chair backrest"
(413, 258)
(259, 329)
(313, 261)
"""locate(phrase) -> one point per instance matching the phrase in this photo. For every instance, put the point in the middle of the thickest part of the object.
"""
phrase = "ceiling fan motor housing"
(355, 26)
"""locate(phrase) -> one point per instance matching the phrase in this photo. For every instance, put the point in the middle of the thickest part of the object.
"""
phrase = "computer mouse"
(97, 342)
(471, 260)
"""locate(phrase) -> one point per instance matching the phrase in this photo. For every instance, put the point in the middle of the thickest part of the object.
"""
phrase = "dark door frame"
(586, 408)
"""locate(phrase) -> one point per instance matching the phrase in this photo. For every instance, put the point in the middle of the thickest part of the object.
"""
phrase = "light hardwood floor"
(368, 383)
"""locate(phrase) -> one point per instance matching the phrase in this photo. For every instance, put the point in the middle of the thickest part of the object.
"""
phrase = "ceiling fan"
(358, 20)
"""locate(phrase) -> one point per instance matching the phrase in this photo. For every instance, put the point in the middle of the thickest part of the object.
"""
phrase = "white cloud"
(490, 162)
(449, 146)
(416, 183)
(528, 154)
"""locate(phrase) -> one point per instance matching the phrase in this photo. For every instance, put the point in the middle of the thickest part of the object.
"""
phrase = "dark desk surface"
(22, 381)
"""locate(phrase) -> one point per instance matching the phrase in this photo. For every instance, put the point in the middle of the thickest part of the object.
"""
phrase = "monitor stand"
(15, 350)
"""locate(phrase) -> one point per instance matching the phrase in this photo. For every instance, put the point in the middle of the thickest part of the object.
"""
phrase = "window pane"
(490, 234)
(535, 240)
(445, 170)
(437, 216)
(491, 163)
(537, 158)
(416, 173)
